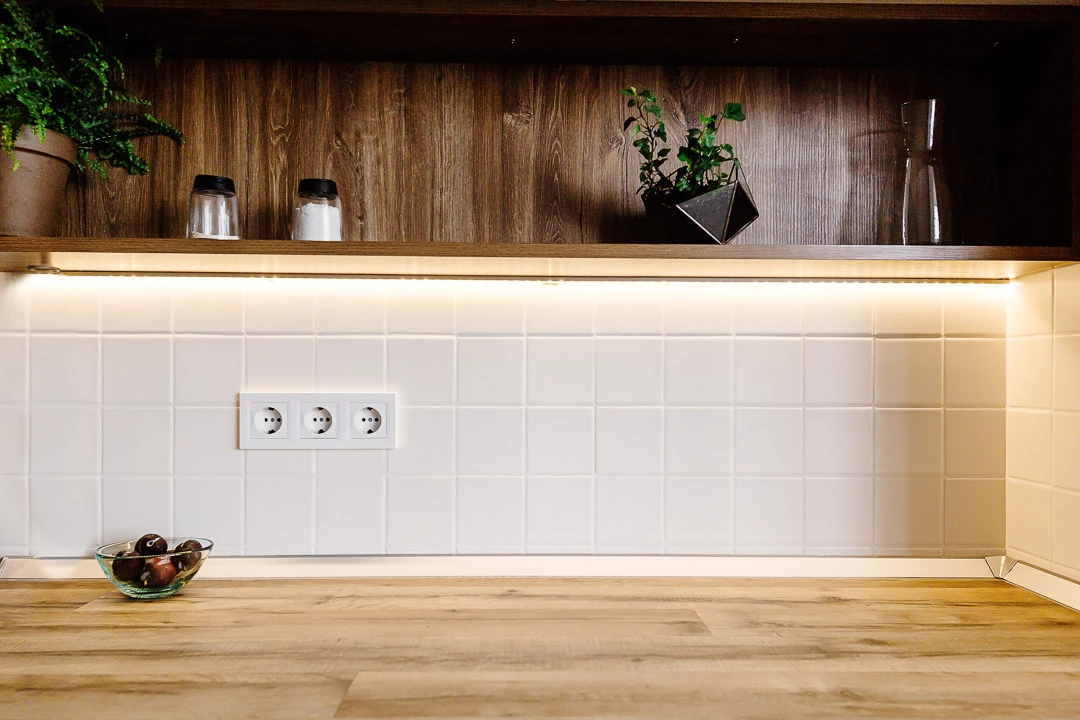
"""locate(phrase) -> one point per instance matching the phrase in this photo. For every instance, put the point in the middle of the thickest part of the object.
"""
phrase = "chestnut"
(151, 544)
(157, 572)
(188, 556)
(126, 567)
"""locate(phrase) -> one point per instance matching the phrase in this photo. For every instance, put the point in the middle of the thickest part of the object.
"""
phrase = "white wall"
(757, 418)
(1044, 421)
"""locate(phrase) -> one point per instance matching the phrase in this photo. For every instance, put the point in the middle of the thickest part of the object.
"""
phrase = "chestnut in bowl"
(154, 574)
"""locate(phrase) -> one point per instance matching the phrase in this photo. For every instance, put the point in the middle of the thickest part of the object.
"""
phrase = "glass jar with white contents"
(317, 212)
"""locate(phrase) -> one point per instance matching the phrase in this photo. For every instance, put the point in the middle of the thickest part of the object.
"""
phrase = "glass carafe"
(926, 213)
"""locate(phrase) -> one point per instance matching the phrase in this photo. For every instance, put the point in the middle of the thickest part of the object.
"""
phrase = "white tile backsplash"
(567, 417)
(133, 507)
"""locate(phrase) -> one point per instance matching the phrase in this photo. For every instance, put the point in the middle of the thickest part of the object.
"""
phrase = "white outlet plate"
(349, 429)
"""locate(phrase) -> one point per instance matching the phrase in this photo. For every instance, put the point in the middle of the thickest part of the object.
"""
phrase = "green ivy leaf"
(734, 111)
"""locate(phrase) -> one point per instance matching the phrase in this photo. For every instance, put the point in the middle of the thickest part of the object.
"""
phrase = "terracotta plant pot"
(32, 196)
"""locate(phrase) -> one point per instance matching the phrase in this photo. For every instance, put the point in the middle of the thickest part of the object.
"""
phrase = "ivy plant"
(57, 77)
(706, 164)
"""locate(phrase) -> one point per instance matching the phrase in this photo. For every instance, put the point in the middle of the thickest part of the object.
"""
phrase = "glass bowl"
(144, 576)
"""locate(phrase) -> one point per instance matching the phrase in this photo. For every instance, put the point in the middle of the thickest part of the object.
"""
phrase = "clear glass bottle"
(926, 218)
(213, 210)
(317, 211)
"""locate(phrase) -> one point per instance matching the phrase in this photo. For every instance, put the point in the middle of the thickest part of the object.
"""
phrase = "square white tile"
(350, 364)
(1066, 541)
(1030, 306)
(491, 371)
(840, 512)
(768, 512)
(1066, 450)
(1067, 299)
(630, 309)
(839, 310)
(839, 442)
(137, 370)
(629, 372)
(351, 462)
(65, 440)
(279, 307)
(560, 371)
(133, 507)
(975, 443)
(1029, 518)
(629, 441)
(208, 307)
(491, 441)
(350, 515)
(14, 507)
(768, 371)
(559, 514)
(975, 512)
(973, 310)
(768, 309)
(561, 309)
(64, 368)
(975, 373)
(420, 516)
(211, 508)
(908, 310)
(698, 515)
(278, 515)
(490, 310)
(1029, 372)
(1067, 372)
(697, 309)
(14, 303)
(208, 370)
(768, 441)
(628, 515)
(350, 307)
(697, 371)
(136, 305)
(908, 511)
(425, 442)
(907, 442)
(490, 515)
(65, 304)
(279, 462)
(421, 370)
(697, 441)
(1029, 445)
(14, 385)
(137, 441)
(839, 372)
(205, 442)
(13, 435)
(907, 373)
(280, 364)
(560, 441)
(64, 515)
(420, 311)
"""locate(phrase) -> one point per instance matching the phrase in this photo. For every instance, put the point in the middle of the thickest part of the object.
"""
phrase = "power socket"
(323, 421)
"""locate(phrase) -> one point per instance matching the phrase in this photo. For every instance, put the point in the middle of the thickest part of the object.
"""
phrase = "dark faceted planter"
(715, 217)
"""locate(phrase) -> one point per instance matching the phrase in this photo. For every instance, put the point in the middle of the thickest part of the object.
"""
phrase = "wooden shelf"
(475, 260)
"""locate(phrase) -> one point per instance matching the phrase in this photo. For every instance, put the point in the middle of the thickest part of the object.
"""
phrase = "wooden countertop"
(656, 648)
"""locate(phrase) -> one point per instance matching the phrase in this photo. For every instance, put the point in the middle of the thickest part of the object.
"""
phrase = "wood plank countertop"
(553, 648)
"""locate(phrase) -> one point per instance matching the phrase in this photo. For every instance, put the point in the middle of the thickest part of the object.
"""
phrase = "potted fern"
(62, 107)
(706, 189)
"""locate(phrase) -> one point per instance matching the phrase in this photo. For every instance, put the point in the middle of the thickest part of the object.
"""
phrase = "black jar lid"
(214, 183)
(318, 186)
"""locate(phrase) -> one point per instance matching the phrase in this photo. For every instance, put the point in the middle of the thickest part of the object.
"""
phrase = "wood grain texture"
(461, 648)
(527, 153)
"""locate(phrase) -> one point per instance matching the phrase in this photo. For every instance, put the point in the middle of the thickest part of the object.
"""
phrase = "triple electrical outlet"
(323, 421)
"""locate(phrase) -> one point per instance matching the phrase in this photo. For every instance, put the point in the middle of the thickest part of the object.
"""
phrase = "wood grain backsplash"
(528, 153)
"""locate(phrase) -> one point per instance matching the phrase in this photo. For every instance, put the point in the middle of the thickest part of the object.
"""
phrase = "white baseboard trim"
(1050, 586)
(534, 566)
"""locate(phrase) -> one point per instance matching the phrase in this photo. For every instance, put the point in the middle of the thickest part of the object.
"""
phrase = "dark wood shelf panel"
(285, 258)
